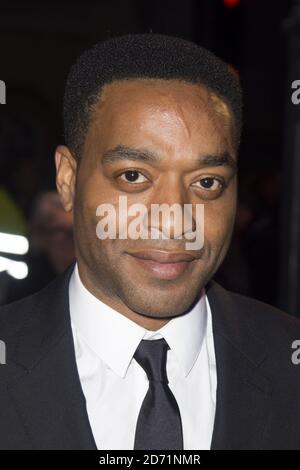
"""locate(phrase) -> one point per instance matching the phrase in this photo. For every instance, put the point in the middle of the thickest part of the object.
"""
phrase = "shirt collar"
(114, 337)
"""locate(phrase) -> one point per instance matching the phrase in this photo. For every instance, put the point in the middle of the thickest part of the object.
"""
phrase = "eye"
(209, 184)
(133, 176)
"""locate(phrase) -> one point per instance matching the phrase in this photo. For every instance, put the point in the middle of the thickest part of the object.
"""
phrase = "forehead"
(169, 112)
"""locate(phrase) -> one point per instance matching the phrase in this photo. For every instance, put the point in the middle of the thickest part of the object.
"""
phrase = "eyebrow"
(121, 152)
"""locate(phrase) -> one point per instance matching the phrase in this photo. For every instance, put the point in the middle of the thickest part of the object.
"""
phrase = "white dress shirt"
(114, 384)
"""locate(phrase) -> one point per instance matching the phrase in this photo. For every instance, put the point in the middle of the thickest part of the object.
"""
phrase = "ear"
(65, 176)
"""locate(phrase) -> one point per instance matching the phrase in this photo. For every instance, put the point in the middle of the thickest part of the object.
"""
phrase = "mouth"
(163, 264)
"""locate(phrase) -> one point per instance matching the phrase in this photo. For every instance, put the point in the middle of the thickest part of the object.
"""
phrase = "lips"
(164, 256)
(163, 264)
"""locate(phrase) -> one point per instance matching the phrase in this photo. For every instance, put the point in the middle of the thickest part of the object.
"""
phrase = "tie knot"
(152, 357)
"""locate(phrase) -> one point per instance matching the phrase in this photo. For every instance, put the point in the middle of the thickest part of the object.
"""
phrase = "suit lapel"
(243, 393)
(47, 392)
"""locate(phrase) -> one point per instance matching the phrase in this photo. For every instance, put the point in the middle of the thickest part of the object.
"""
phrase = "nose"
(170, 214)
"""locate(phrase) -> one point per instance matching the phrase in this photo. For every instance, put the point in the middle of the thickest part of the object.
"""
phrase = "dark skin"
(186, 135)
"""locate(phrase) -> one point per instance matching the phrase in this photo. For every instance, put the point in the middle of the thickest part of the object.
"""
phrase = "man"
(135, 347)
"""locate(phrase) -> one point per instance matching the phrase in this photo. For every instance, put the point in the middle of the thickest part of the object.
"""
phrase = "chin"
(162, 304)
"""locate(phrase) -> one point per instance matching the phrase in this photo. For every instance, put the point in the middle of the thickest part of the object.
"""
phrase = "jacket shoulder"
(14, 314)
(262, 318)
(263, 313)
(52, 297)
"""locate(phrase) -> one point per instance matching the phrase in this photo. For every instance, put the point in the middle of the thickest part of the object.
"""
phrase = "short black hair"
(146, 55)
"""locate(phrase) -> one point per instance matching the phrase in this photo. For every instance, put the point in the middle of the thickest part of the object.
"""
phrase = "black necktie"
(159, 422)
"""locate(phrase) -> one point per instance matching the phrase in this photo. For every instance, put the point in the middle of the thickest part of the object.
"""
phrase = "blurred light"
(16, 269)
(14, 244)
(231, 3)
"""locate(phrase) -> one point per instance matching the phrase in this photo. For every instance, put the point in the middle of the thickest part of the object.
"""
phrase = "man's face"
(147, 141)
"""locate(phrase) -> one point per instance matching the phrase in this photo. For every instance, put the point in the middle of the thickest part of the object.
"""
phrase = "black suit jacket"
(42, 405)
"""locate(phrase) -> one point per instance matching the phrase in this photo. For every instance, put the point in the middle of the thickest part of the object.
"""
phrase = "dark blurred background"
(38, 43)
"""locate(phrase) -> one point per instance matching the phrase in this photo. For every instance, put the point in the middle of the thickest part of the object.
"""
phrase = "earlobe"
(65, 176)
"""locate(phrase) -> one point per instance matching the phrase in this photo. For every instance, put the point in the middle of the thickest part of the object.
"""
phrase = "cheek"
(218, 223)
(90, 193)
